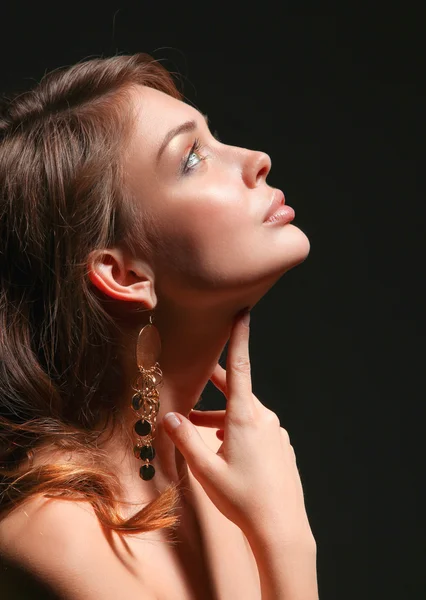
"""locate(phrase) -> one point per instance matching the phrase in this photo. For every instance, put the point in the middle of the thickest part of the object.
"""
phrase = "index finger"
(238, 371)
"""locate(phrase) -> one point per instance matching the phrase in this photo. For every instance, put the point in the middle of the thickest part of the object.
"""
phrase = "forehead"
(156, 112)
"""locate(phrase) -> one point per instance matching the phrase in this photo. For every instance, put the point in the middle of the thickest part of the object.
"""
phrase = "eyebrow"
(182, 128)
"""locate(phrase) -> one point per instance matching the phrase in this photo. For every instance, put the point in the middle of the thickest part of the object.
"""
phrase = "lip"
(277, 200)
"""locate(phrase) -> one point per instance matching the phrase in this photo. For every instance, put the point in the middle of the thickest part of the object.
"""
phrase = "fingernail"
(246, 317)
(171, 421)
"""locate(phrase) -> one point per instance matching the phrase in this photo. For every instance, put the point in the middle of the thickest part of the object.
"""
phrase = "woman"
(131, 242)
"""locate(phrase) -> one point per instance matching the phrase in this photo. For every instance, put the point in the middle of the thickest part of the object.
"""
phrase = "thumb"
(199, 457)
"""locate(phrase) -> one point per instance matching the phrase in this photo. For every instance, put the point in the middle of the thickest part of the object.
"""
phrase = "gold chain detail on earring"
(145, 402)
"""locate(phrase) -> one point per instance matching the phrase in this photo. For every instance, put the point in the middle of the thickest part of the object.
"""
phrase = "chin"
(287, 253)
(297, 245)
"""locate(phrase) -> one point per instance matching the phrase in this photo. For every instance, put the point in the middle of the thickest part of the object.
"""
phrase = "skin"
(213, 256)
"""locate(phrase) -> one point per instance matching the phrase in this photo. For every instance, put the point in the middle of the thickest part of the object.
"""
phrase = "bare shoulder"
(58, 549)
(62, 545)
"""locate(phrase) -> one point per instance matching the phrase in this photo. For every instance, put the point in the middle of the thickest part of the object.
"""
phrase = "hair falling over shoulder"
(62, 195)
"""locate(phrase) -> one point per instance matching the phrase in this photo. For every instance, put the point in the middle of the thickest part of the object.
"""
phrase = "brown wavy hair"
(63, 195)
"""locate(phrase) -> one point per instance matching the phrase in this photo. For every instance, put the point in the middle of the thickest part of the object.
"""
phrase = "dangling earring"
(145, 402)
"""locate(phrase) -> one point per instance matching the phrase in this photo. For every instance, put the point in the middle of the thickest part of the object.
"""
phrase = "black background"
(337, 345)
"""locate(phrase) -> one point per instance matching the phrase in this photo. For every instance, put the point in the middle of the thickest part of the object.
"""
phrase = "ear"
(122, 277)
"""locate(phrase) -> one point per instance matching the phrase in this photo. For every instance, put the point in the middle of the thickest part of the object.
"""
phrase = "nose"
(256, 168)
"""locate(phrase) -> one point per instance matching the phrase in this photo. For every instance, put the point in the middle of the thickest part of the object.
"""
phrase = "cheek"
(202, 229)
(208, 209)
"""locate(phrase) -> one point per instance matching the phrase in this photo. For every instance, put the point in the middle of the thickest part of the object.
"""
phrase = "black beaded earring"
(145, 401)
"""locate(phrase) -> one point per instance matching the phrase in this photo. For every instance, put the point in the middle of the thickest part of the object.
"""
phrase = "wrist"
(287, 570)
(276, 538)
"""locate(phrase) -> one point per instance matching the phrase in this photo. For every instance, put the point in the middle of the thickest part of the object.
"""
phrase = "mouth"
(277, 200)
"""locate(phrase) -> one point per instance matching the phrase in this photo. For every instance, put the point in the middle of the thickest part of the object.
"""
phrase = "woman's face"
(204, 205)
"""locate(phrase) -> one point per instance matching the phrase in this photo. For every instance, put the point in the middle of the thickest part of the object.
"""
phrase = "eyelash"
(196, 149)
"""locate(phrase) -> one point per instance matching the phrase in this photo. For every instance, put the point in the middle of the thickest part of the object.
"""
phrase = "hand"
(211, 418)
(253, 478)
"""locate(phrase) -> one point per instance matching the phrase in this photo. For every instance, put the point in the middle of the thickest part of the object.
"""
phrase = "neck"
(191, 345)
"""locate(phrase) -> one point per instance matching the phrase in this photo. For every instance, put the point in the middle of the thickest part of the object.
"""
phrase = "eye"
(193, 158)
